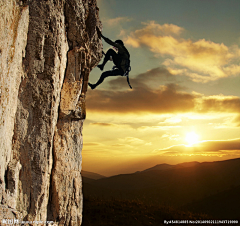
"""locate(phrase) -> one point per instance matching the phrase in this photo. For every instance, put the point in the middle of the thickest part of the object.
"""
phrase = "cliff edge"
(47, 50)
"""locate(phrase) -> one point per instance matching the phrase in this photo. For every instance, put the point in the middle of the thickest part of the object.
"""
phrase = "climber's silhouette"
(120, 59)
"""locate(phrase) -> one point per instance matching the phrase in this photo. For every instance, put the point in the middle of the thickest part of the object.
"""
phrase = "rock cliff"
(47, 50)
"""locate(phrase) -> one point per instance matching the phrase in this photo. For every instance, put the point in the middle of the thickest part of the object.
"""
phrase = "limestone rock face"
(47, 50)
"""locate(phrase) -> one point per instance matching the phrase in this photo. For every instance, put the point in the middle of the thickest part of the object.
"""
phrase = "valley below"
(208, 190)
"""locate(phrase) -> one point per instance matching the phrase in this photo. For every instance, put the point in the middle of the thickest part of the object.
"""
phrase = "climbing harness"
(125, 74)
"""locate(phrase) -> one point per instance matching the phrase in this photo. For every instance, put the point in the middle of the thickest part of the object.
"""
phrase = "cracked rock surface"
(47, 50)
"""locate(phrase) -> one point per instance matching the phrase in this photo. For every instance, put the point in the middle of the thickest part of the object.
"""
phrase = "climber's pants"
(106, 74)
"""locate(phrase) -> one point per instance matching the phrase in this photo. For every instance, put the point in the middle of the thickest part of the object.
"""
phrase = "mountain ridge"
(162, 166)
(91, 175)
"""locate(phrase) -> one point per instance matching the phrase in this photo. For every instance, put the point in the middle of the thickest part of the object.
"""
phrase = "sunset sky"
(185, 101)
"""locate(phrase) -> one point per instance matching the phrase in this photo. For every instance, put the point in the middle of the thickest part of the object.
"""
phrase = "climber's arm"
(110, 42)
(107, 40)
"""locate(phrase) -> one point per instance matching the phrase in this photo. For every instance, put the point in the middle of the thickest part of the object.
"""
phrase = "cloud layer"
(207, 148)
(169, 98)
(116, 21)
(201, 60)
(166, 99)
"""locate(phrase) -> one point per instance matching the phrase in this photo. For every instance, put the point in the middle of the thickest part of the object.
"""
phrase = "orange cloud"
(132, 140)
(204, 60)
(237, 120)
(116, 21)
(151, 28)
(206, 148)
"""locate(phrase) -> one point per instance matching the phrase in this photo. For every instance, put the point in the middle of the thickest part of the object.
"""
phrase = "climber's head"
(119, 42)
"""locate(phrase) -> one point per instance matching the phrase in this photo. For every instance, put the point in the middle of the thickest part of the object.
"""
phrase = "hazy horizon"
(139, 167)
(185, 101)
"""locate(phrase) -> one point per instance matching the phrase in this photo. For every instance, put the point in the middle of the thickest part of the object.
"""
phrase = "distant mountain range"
(90, 175)
(206, 187)
(165, 166)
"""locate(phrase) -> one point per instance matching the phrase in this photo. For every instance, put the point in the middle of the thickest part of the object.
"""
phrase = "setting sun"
(192, 138)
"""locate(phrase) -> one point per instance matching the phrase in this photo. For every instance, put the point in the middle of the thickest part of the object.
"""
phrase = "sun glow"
(192, 138)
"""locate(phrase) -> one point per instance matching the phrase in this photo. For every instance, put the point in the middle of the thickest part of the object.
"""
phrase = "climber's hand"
(99, 33)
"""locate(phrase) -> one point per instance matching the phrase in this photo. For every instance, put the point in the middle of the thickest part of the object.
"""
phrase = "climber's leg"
(115, 57)
(104, 75)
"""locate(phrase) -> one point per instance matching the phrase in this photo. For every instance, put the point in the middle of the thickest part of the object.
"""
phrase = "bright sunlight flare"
(192, 138)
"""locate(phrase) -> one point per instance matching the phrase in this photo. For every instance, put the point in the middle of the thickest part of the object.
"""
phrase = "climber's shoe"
(92, 85)
(100, 66)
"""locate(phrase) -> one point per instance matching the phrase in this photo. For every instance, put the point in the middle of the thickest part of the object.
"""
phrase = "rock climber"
(121, 59)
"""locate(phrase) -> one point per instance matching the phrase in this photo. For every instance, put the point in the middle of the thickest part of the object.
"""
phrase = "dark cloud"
(154, 76)
(101, 124)
(149, 95)
(214, 146)
(231, 104)
(168, 98)
(159, 73)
